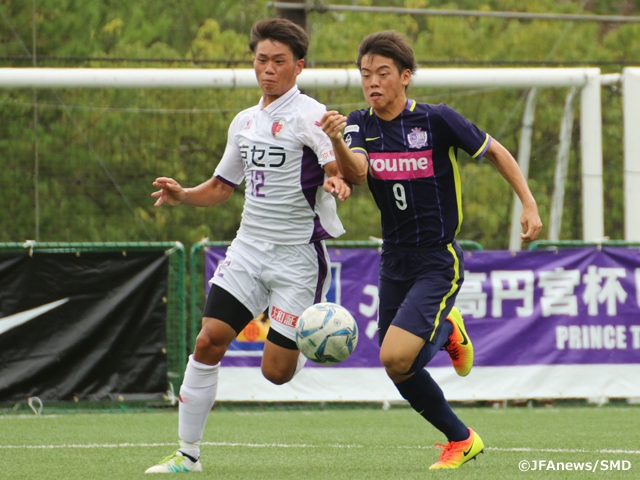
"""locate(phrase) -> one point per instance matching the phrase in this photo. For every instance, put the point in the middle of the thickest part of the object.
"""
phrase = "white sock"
(301, 361)
(197, 396)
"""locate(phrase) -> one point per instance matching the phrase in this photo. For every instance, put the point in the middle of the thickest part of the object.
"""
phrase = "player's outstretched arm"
(509, 169)
(208, 193)
(353, 166)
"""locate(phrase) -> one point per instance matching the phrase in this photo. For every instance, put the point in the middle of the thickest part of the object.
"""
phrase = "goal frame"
(588, 80)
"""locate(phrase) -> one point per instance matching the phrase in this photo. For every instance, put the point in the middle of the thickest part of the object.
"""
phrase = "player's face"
(276, 69)
(383, 85)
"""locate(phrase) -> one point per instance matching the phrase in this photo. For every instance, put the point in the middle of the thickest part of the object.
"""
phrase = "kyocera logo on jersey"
(401, 165)
(277, 126)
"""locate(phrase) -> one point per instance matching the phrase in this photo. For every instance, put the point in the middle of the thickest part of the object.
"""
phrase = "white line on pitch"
(304, 445)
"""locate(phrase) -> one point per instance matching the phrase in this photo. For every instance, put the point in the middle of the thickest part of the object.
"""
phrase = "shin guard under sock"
(197, 396)
(426, 397)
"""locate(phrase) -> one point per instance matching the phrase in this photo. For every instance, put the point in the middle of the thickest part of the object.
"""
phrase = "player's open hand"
(531, 224)
(333, 123)
(170, 192)
(338, 187)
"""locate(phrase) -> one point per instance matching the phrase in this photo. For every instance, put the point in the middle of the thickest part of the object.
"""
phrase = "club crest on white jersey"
(277, 126)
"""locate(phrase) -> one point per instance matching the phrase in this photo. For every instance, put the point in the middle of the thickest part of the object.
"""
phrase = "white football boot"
(176, 463)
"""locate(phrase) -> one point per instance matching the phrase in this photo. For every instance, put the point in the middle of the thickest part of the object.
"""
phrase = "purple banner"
(570, 306)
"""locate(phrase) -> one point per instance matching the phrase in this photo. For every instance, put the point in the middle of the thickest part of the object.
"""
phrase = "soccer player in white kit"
(278, 259)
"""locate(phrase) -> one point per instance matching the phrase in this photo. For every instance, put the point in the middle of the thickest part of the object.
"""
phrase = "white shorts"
(286, 278)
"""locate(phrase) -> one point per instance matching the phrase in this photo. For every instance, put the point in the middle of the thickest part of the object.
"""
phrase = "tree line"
(100, 149)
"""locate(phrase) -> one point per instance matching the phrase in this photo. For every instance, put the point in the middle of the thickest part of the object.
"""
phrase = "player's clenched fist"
(332, 124)
(170, 192)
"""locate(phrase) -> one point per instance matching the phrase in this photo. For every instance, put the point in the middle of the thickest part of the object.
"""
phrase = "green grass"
(323, 444)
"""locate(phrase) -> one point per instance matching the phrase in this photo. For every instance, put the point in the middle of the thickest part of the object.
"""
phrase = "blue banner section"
(568, 306)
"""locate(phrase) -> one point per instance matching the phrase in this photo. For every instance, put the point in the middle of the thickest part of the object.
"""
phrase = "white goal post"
(631, 108)
(588, 80)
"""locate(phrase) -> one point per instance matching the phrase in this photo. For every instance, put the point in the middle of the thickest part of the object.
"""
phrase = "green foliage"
(99, 153)
(211, 42)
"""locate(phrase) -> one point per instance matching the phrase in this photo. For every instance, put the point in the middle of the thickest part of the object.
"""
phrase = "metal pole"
(36, 173)
(524, 154)
(296, 15)
(289, 5)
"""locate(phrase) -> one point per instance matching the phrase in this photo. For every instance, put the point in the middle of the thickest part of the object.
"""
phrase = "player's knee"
(277, 376)
(209, 347)
(395, 362)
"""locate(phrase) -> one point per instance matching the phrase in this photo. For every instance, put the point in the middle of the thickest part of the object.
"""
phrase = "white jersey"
(280, 151)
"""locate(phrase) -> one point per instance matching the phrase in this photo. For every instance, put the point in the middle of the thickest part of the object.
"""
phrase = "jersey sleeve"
(231, 167)
(314, 137)
(354, 134)
(464, 134)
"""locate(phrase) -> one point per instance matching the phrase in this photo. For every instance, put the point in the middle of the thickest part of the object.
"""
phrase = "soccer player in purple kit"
(407, 152)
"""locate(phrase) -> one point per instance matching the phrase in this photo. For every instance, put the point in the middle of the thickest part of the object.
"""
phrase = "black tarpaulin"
(85, 326)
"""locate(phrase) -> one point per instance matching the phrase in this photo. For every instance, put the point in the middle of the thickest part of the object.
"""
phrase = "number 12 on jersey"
(256, 181)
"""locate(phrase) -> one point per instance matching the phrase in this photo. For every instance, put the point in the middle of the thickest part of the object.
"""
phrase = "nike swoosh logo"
(371, 139)
(466, 452)
(465, 340)
(17, 319)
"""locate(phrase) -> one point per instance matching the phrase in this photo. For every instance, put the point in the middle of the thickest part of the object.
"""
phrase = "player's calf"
(282, 360)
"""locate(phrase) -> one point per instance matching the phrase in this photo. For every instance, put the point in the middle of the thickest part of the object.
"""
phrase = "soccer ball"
(326, 333)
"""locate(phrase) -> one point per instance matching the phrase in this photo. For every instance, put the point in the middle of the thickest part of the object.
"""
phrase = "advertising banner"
(544, 323)
(82, 325)
(552, 307)
(571, 306)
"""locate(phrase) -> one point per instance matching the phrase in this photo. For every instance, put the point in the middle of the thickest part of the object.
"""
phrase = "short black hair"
(391, 44)
(283, 31)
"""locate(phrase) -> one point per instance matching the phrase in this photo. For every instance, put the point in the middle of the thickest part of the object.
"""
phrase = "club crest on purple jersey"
(417, 138)
(277, 127)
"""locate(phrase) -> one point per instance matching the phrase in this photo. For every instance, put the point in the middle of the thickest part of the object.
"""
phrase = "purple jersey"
(413, 171)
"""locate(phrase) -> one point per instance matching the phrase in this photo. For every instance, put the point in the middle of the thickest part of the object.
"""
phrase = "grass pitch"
(324, 444)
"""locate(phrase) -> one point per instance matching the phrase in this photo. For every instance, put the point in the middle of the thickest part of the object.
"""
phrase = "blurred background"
(77, 164)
